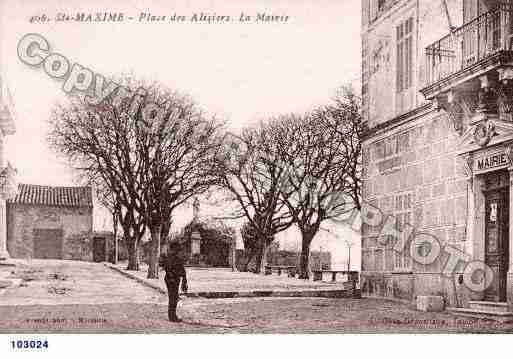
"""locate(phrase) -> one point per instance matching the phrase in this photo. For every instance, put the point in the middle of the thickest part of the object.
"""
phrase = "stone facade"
(76, 224)
(66, 228)
(421, 182)
(422, 158)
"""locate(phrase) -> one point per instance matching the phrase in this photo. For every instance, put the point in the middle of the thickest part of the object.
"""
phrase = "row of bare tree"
(151, 150)
(295, 170)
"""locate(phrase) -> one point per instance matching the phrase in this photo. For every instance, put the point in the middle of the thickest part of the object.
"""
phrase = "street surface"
(79, 297)
(224, 280)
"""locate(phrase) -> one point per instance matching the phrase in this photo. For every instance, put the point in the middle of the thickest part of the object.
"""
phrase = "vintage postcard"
(256, 166)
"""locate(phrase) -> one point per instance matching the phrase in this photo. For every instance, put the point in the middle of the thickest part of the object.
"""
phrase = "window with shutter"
(404, 35)
(381, 5)
(403, 216)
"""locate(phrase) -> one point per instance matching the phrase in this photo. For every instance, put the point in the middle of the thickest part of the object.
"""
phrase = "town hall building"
(438, 149)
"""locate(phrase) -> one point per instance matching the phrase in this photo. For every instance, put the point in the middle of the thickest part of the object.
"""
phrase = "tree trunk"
(304, 261)
(133, 253)
(248, 255)
(164, 233)
(115, 230)
(258, 264)
(233, 255)
(246, 264)
(263, 261)
(153, 261)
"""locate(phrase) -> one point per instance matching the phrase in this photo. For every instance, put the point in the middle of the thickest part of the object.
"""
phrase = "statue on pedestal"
(195, 209)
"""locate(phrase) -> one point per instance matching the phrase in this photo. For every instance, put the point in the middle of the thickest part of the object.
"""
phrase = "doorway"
(497, 242)
(99, 249)
(47, 243)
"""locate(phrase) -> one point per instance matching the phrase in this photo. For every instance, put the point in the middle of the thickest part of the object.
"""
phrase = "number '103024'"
(29, 344)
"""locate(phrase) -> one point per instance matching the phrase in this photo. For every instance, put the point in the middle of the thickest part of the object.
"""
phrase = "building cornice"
(398, 121)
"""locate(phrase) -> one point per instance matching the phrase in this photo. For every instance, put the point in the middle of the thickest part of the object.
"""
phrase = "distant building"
(50, 223)
(104, 247)
(318, 260)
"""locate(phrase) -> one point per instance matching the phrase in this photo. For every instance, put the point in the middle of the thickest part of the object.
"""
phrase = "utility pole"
(349, 245)
(349, 259)
(115, 219)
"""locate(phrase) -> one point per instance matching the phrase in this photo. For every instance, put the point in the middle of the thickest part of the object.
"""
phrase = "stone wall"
(76, 224)
(382, 101)
(413, 173)
(411, 168)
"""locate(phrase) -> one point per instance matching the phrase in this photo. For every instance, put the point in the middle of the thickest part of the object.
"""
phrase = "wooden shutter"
(400, 58)
(469, 10)
(474, 8)
(409, 53)
(404, 35)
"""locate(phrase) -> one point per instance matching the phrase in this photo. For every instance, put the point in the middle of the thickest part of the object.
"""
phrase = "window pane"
(379, 260)
(407, 262)
(398, 203)
(407, 219)
(399, 221)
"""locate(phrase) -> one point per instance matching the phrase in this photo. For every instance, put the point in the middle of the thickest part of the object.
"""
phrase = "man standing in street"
(175, 271)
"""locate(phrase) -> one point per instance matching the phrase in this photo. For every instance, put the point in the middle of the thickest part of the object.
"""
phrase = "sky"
(241, 71)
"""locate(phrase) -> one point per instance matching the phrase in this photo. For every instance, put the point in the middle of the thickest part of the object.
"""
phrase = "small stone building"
(50, 223)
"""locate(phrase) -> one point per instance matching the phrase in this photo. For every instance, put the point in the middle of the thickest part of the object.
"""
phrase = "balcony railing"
(483, 37)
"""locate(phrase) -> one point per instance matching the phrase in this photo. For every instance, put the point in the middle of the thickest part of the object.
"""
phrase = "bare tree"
(149, 149)
(176, 145)
(321, 152)
(344, 117)
(250, 173)
(99, 141)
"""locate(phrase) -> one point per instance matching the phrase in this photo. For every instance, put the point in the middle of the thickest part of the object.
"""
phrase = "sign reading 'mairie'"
(491, 161)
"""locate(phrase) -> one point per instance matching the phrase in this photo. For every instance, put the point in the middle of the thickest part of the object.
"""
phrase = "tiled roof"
(53, 196)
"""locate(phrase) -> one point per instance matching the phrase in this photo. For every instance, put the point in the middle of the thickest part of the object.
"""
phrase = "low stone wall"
(409, 286)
